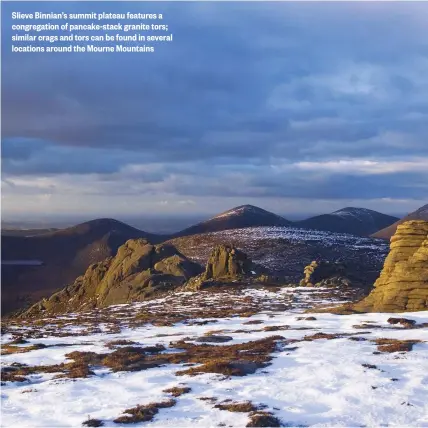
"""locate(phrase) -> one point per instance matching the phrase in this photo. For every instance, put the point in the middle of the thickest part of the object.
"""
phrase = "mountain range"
(34, 267)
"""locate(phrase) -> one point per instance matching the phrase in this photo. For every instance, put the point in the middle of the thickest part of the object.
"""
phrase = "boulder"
(138, 271)
(324, 273)
(403, 282)
(226, 264)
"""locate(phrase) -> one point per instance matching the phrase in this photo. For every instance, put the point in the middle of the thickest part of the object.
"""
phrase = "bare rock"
(138, 271)
(403, 282)
(324, 273)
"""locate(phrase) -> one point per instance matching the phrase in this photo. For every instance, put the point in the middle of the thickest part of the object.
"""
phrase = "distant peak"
(423, 209)
(352, 209)
(242, 209)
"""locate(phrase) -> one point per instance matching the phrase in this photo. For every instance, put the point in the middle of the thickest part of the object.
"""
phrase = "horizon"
(164, 223)
(324, 107)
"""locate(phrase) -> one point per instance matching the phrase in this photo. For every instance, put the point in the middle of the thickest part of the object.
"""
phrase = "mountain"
(403, 283)
(356, 221)
(236, 218)
(137, 271)
(387, 232)
(33, 267)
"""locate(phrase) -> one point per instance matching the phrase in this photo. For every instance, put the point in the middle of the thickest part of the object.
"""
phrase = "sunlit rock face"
(403, 282)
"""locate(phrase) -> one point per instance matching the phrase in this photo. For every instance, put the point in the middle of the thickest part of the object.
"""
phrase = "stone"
(324, 273)
(226, 264)
(138, 270)
(403, 282)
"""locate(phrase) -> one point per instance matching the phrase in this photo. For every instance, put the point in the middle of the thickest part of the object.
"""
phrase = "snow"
(321, 383)
(245, 209)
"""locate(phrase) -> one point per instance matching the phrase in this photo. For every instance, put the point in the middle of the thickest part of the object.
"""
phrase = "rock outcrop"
(138, 271)
(225, 264)
(403, 282)
(324, 273)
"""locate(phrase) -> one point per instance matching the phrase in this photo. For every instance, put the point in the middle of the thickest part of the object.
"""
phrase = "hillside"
(285, 251)
(236, 218)
(357, 221)
(61, 256)
(388, 232)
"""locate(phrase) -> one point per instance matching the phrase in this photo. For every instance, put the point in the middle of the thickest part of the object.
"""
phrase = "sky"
(294, 107)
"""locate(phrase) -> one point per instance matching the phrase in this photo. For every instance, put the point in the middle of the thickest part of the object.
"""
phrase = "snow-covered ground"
(308, 383)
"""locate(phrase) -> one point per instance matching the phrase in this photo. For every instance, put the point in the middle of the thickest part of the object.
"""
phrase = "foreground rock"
(139, 270)
(403, 282)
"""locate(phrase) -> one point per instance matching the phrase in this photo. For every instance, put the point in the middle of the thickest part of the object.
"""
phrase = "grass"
(395, 345)
(176, 391)
(405, 322)
(121, 342)
(231, 360)
(143, 413)
(263, 419)
(275, 327)
(10, 348)
(93, 423)
(244, 407)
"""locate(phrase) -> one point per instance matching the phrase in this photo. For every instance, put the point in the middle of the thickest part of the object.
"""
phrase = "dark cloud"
(243, 87)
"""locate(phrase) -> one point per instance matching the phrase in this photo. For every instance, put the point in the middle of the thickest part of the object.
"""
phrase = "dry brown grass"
(275, 327)
(121, 342)
(244, 407)
(405, 322)
(93, 423)
(9, 348)
(395, 345)
(263, 419)
(176, 391)
(318, 336)
(143, 413)
(211, 400)
(231, 360)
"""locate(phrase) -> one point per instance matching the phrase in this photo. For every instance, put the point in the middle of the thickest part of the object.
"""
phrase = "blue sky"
(295, 107)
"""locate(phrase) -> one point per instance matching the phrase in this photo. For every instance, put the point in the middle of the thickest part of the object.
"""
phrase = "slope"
(356, 221)
(237, 218)
(388, 232)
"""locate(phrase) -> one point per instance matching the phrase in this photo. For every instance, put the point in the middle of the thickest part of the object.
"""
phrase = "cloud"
(252, 100)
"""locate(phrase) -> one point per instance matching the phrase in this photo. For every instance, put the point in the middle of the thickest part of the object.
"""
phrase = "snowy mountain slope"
(236, 218)
(286, 250)
(357, 221)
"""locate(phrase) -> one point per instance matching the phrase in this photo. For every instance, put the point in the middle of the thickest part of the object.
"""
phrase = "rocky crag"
(403, 282)
(324, 273)
(225, 264)
(138, 270)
